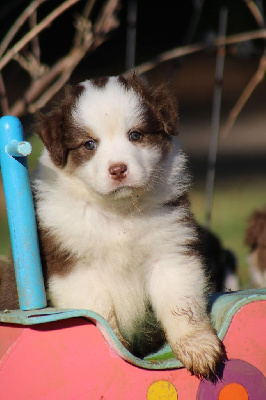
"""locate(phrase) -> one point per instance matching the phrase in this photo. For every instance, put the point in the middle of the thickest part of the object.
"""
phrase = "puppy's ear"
(159, 101)
(166, 106)
(52, 128)
(49, 128)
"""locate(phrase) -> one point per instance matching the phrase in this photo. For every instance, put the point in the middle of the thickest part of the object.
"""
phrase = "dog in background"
(256, 241)
(115, 228)
(221, 263)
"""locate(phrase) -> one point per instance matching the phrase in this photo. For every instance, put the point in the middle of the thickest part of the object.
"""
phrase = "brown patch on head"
(124, 81)
(74, 91)
(159, 140)
(159, 118)
(56, 127)
(100, 82)
(160, 105)
(81, 154)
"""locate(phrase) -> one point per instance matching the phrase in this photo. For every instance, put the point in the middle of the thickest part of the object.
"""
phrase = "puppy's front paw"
(201, 352)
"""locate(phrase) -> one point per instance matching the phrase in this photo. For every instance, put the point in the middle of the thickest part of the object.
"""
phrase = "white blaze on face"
(108, 114)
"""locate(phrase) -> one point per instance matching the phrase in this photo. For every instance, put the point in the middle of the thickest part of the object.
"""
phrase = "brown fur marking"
(54, 260)
(8, 287)
(256, 237)
(55, 128)
(160, 104)
(100, 82)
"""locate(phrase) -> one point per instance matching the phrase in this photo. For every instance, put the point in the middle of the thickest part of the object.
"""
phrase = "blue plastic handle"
(21, 215)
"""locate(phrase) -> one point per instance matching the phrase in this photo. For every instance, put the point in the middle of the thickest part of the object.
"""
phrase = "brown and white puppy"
(256, 241)
(116, 233)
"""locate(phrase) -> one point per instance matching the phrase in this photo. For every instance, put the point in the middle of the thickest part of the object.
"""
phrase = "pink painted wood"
(70, 360)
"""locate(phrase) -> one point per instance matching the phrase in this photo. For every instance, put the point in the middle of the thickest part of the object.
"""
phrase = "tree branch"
(81, 21)
(3, 97)
(247, 92)
(35, 41)
(194, 48)
(37, 95)
(30, 64)
(35, 31)
(255, 12)
(255, 80)
(18, 23)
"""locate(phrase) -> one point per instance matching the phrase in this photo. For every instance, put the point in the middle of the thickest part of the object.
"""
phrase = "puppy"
(256, 241)
(116, 233)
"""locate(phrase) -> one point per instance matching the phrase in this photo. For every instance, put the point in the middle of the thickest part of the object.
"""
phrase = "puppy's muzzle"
(118, 172)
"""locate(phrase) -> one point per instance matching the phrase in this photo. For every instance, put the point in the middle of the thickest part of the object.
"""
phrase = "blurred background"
(144, 31)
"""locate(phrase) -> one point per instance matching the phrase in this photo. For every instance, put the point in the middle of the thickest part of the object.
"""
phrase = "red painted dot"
(233, 391)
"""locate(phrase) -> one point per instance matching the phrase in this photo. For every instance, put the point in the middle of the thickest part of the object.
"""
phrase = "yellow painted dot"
(162, 390)
(233, 391)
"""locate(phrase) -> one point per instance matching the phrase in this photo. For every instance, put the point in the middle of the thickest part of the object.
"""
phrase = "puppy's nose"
(118, 171)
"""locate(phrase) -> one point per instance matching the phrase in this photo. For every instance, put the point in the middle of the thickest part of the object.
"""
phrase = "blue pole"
(21, 215)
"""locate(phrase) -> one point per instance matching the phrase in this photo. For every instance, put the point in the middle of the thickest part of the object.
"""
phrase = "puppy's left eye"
(90, 145)
(134, 136)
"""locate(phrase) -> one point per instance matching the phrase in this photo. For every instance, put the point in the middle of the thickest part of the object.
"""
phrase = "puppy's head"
(112, 133)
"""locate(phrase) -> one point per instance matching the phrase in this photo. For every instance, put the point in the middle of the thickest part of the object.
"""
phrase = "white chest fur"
(111, 253)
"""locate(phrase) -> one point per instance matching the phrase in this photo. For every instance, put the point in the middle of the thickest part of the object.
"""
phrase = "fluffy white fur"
(129, 248)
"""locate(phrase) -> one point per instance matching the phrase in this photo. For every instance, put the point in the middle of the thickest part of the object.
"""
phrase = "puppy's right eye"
(90, 145)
